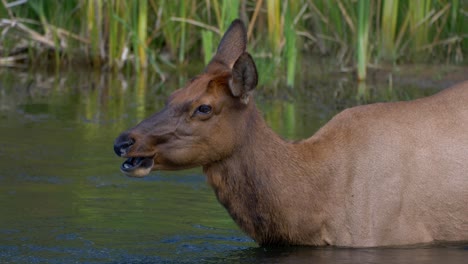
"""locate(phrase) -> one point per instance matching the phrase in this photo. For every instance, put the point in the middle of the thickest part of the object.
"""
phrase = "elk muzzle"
(133, 166)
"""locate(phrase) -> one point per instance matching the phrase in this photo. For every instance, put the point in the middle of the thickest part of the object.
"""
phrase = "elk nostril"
(121, 147)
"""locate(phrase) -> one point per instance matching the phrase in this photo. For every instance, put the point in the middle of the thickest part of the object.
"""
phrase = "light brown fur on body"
(375, 175)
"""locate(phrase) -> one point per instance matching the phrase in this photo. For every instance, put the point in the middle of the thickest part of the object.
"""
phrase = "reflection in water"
(62, 198)
(362, 91)
(455, 254)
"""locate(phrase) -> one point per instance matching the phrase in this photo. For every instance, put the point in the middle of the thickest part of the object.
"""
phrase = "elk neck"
(263, 168)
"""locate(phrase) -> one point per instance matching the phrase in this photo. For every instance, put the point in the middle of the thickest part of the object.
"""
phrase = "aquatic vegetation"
(135, 35)
(362, 38)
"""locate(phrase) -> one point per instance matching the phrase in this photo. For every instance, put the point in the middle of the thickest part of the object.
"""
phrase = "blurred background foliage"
(135, 35)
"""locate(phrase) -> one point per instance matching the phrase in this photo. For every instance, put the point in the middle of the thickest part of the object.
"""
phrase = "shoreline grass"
(136, 35)
(362, 38)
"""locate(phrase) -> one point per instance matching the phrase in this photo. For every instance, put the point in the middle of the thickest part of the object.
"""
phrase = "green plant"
(363, 38)
(134, 35)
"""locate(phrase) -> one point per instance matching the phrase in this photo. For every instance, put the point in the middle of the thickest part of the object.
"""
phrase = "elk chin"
(137, 166)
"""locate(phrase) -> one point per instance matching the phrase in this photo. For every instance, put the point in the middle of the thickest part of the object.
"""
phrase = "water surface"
(63, 199)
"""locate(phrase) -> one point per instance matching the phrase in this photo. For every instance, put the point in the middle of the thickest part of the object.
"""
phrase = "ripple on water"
(43, 179)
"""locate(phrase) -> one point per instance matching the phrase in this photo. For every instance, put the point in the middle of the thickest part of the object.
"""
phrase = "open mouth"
(137, 166)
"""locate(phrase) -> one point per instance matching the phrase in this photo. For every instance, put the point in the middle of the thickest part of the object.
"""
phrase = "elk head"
(201, 123)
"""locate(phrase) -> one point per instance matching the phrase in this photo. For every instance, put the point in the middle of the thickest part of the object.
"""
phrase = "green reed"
(275, 30)
(118, 29)
(136, 34)
(362, 38)
(226, 11)
(94, 30)
(220, 13)
(419, 16)
(388, 29)
(141, 19)
(207, 44)
(183, 36)
(399, 30)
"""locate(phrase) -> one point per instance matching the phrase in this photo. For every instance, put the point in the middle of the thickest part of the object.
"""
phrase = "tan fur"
(376, 175)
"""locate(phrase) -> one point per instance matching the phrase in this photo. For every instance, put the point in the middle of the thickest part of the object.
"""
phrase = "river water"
(63, 199)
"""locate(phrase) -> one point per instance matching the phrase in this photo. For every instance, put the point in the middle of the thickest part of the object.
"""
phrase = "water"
(63, 199)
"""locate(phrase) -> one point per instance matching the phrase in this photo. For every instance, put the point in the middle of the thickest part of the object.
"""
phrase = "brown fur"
(375, 175)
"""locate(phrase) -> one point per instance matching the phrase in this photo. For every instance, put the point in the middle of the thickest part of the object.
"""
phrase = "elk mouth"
(137, 166)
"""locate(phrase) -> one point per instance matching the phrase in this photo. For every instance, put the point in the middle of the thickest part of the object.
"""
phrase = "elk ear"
(231, 56)
(244, 77)
(232, 45)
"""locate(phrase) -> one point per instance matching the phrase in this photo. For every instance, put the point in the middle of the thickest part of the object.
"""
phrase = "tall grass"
(362, 38)
(419, 12)
(118, 30)
(121, 34)
(142, 23)
(94, 28)
(400, 31)
(388, 29)
(275, 29)
(220, 14)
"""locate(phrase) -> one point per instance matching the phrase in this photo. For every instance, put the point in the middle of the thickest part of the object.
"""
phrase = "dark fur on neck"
(249, 188)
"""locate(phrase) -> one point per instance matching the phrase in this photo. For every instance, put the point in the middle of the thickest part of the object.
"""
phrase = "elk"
(384, 174)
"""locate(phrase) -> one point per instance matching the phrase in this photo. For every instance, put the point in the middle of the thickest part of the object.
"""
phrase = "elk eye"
(204, 109)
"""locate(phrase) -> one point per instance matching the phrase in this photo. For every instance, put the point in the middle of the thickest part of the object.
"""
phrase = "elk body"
(375, 175)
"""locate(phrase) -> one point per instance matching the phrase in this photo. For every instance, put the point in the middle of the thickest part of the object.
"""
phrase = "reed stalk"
(362, 38)
(117, 21)
(454, 9)
(229, 12)
(224, 11)
(170, 29)
(183, 34)
(114, 31)
(362, 92)
(275, 31)
(207, 44)
(388, 29)
(418, 12)
(113, 35)
(94, 27)
(457, 28)
(142, 33)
